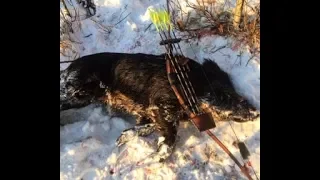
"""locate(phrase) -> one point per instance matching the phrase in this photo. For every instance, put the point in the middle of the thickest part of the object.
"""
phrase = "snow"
(87, 143)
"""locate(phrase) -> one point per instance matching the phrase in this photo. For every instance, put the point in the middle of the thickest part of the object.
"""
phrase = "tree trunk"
(237, 14)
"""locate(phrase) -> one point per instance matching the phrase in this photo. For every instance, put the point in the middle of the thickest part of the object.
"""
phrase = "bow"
(178, 78)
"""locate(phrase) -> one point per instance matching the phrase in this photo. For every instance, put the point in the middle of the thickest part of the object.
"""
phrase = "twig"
(218, 49)
(88, 35)
(125, 8)
(250, 59)
(61, 62)
(101, 26)
(239, 56)
(122, 19)
(148, 27)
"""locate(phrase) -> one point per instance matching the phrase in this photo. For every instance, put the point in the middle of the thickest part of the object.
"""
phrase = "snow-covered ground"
(87, 146)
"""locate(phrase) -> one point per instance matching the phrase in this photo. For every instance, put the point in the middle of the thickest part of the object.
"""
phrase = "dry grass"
(67, 50)
(67, 22)
(250, 28)
(209, 17)
(70, 26)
